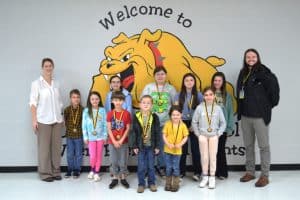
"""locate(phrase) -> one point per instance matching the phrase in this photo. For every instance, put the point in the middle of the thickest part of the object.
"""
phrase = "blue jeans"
(146, 164)
(74, 154)
(160, 157)
(172, 164)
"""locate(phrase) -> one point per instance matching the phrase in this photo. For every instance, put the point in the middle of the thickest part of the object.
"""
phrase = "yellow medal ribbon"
(207, 117)
(74, 120)
(176, 132)
(146, 126)
(95, 122)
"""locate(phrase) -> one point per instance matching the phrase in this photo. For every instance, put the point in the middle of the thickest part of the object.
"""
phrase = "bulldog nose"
(109, 65)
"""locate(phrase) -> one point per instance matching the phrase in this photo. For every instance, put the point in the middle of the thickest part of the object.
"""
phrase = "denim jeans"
(74, 154)
(146, 164)
(172, 164)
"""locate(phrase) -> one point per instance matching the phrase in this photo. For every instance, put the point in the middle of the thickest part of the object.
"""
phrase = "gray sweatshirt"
(200, 123)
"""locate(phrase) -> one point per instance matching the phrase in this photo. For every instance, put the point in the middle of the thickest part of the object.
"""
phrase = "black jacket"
(261, 93)
(136, 140)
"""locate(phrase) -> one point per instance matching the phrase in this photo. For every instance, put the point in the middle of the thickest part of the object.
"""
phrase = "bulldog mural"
(134, 59)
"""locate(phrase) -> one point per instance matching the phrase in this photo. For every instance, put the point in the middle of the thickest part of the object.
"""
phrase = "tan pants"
(208, 150)
(49, 149)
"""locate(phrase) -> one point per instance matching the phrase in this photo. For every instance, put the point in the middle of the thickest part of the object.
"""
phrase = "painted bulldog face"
(131, 59)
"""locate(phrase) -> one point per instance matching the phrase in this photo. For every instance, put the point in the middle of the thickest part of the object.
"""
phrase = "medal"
(118, 137)
(95, 120)
(74, 130)
(207, 117)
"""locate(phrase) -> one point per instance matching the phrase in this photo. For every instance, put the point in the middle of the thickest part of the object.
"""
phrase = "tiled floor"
(283, 185)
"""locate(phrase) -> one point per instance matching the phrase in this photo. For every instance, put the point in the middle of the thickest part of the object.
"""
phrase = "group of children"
(97, 125)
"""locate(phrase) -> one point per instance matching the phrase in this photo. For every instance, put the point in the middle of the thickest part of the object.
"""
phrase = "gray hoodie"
(200, 123)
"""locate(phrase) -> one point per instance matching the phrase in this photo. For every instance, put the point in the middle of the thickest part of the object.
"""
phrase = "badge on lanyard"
(242, 93)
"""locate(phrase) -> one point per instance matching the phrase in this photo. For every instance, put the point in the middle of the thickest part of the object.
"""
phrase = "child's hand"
(156, 151)
(178, 146)
(171, 146)
(86, 142)
(191, 129)
(136, 151)
(116, 144)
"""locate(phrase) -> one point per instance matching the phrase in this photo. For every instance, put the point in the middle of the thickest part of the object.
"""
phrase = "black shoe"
(57, 178)
(113, 183)
(49, 179)
(76, 174)
(125, 183)
(68, 174)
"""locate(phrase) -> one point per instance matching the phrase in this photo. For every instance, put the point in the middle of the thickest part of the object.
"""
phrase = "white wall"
(69, 32)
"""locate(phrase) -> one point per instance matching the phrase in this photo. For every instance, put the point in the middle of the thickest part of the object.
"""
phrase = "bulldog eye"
(108, 59)
(125, 58)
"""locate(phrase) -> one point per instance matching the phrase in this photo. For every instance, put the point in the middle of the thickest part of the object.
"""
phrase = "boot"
(168, 183)
(175, 185)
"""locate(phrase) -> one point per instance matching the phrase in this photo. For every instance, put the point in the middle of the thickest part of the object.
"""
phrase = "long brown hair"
(89, 105)
(183, 92)
(223, 87)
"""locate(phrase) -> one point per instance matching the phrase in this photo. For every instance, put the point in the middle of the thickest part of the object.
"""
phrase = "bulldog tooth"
(106, 77)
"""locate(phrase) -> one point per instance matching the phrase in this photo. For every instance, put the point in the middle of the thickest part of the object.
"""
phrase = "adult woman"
(163, 95)
(224, 100)
(47, 121)
(258, 93)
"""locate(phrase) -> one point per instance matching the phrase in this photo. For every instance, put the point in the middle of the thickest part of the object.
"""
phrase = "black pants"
(222, 169)
(193, 140)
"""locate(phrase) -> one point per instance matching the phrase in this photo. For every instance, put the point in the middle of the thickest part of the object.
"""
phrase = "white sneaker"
(97, 177)
(91, 175)
(203, 182)
(212, 182)
(196, 177)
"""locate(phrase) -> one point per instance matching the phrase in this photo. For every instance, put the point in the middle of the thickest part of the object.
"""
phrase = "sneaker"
(68, 174)
(262, 181)
(212, 182)
(125, 183)
(153, 188)
(76, 175)
(247, 177)
(203, 182)
(113, 183)
(140, 189)
(196, 177)
(97, 177)
(91, 175)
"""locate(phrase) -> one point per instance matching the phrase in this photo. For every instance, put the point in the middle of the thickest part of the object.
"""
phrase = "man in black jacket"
(258, 93)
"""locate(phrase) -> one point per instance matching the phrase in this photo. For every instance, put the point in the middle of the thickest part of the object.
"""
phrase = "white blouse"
(47, 100)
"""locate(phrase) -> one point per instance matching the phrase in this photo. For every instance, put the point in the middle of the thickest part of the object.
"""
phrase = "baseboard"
(274, 167)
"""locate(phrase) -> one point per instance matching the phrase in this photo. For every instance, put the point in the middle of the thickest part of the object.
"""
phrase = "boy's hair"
(74, 91)
(173, 108)
(146, 97)
(158, 69)
(118, 95)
